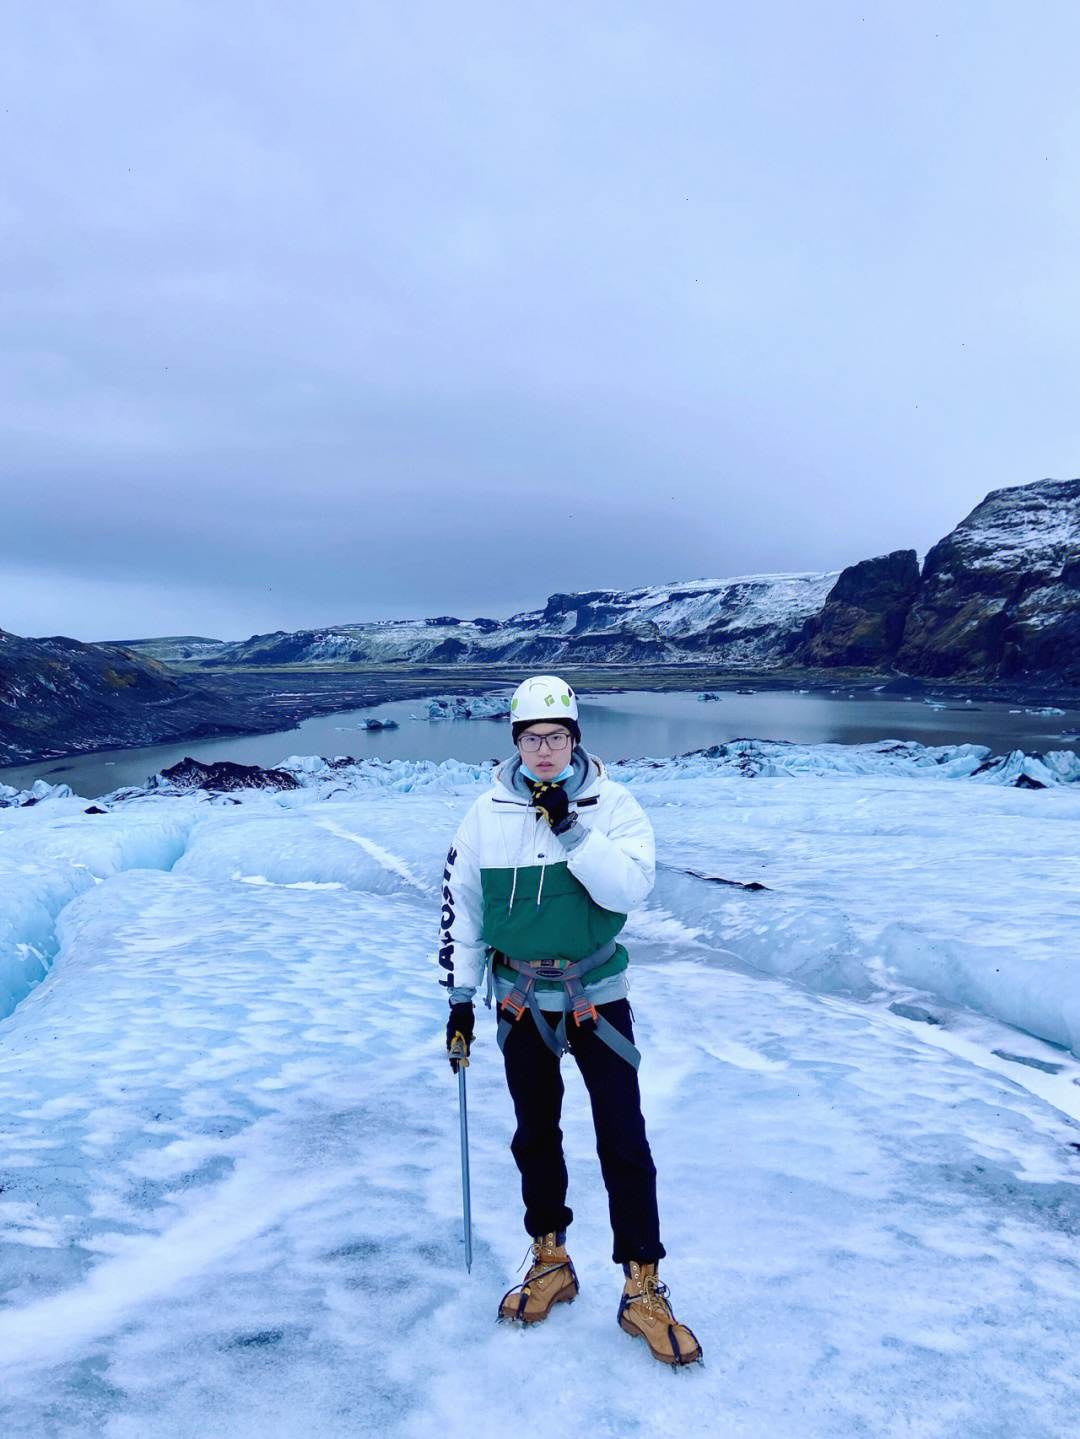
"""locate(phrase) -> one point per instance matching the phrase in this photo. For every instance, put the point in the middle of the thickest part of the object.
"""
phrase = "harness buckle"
(515, 1004)
(585, 1011)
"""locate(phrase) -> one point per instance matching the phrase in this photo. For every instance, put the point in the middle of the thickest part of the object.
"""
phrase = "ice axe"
(459, 1062)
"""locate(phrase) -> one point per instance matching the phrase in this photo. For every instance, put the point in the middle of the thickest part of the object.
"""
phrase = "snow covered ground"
(228, 1135)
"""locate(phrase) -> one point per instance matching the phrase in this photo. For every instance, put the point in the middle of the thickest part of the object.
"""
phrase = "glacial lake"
(615, 726)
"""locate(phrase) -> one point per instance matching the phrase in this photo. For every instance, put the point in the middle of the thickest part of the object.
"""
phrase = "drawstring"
(543, 868)
(521, 850)
(539, 887)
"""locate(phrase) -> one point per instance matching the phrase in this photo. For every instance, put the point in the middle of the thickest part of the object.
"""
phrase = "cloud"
(430, 308)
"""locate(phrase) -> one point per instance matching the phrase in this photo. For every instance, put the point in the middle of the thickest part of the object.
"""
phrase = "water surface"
(616, 726)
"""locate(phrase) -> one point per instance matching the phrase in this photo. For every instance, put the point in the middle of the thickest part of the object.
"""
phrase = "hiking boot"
(644, 1310)
(550, 1281)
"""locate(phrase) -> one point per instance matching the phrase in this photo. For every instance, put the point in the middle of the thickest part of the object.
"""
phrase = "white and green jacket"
(511, 886)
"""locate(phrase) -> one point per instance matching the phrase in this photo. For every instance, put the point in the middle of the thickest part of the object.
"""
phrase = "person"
(537, 883)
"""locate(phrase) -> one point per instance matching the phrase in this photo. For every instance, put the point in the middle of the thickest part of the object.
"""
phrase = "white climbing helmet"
(543, 697)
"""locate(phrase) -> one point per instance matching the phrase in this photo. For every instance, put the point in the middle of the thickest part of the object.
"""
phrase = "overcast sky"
(336, 310)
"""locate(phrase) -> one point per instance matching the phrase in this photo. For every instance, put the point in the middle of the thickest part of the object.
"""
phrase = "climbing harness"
(569, 974)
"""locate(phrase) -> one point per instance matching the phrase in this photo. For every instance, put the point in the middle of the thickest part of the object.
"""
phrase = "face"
(546, 762)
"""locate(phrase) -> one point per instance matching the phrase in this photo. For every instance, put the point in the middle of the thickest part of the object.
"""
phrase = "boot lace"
(654, 1296)
(539, 1267)
(533, 1253)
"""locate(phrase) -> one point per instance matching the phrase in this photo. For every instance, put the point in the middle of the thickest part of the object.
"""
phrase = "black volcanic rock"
(223, 776)
(862, 621)
(998, 596)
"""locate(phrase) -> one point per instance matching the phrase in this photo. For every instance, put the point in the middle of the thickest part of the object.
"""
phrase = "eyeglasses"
(532, 743)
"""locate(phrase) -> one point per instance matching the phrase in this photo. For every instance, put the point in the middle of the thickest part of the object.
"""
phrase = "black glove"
(554, 804)
(462, 1021)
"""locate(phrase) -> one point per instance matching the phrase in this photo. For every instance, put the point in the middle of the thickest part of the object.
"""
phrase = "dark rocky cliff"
(862, 621)
(999, 597)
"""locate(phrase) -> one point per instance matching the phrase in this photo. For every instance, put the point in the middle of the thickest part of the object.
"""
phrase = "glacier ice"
(229, 1176)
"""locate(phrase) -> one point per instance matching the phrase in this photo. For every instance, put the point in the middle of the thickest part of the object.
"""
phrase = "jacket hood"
(586, 774)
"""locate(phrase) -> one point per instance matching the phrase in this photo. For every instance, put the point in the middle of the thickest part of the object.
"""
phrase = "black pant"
(536, 1087)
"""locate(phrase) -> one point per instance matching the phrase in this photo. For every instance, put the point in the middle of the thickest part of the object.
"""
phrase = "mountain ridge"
(996, 599)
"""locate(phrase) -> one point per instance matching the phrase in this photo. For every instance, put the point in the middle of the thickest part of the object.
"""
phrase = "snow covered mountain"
(1001, 593)
(997, 598)
(745, 623)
